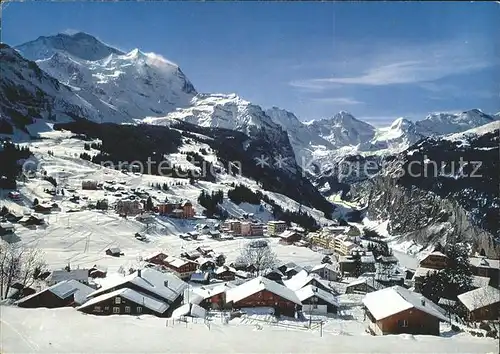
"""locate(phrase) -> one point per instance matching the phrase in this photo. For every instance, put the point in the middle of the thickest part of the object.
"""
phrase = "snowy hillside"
(134, 84)
(400, 135)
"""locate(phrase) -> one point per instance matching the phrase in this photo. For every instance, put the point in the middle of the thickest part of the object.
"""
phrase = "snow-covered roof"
(322, 266)
(370, 281)
(131, 295)
(6, 225)
(65, 289)
(223, 269)
(176, 262)
(478, 298)
(287, 234)
(258, 284)
(448, 302)
(480, 282)
(310, 290)
(76, 274)
(483, 262)
(390, 301)
(150, 280)
(422, 272)
(302, 279)
(435, 253)
(202, 260)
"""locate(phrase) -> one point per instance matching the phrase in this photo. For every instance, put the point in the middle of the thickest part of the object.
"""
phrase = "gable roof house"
(363, 285)
(481, 304)
(326, 271)
(484, 267)
(316, 300)
(303, 279)
(80, 275)
(262, 292)
(65, 293)
(398, 310)
(146, 291)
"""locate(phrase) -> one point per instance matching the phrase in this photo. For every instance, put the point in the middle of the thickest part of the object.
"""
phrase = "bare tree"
(258, 254)
(19, 264)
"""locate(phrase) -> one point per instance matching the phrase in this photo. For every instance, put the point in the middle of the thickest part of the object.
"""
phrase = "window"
(403, 323)
(127, 309)
(118, 300)
(116, 310)
(106, 308)
(139, 309)
(97, 308)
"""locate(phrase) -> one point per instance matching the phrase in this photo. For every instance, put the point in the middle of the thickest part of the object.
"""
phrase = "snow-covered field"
(68, 331)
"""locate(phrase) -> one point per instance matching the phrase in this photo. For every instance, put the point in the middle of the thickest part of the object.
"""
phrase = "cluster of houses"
(10, 219)
(483, 301)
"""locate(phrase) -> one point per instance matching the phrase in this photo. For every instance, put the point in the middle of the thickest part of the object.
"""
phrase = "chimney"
(139, 273)
(423, 302)
(165, 283)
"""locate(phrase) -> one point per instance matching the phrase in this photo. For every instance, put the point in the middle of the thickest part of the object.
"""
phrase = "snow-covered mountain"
(28, 93)
(401, 134)
(134, 84)
(343, 130)
(448, 123)
(303, 139)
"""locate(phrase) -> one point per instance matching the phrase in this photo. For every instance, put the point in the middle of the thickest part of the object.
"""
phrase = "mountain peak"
(80, 45)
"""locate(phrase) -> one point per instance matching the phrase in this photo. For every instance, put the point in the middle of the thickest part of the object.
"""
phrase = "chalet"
(187, 210)
(191, 255)
(65, 293)
(316, 300)
(397, 310)
(485, 267)
(434, 260)
(363, 285)
(480, 282)
(43, 208)
(275, 228)
(203, 228)
(194, 234)
(156, 258)
(98, 272)
(206, 264)
(213, 298)
(145, 291)
(214, 234)
(57, 276)
(205, 250)
(32, 220)
(288, 237)
(114, 251)
(302, 279)
(6, 228)
(389, 260)
(225, 273)
(326, 271)
(262, 292)
(481, 304)
(180, 267)
(274, 275)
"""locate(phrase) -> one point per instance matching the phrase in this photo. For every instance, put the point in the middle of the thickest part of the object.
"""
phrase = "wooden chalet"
(434, 260)
(303, 279)
(262, 292)
(63, 294)
(316, 300)
(484, 267)
(181, 267)
(397, 310)
(326, 271)
(6, 228)
(225, 273)
(145, 291)
(481, 304)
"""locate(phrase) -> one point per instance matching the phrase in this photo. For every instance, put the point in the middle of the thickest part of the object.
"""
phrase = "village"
(355, 281)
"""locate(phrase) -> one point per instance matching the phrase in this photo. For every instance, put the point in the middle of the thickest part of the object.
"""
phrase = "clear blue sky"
(376, 60)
